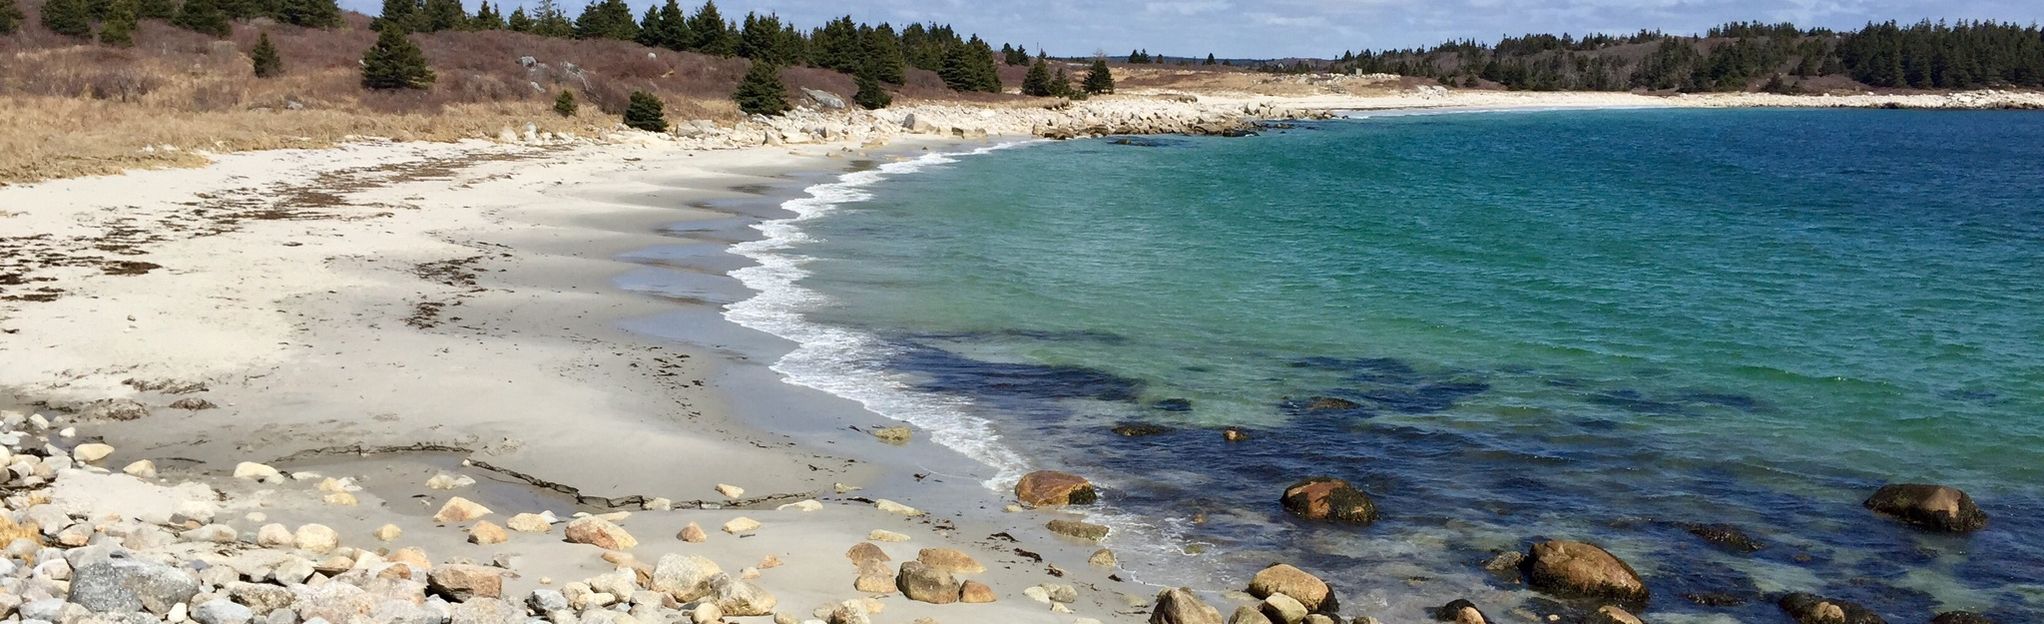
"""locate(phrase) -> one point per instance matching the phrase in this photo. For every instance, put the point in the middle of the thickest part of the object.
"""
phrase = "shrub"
(71, 18)
(264, 58)
(761, 92)
(10, 17)
(870, 95)
(394, 62)
(646, 113)
(119, 28)
(203, 16)
(565, 103)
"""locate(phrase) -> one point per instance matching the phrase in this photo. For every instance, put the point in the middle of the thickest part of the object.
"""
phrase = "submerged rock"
(1579, 570)
(1139, 430)
(1328, 498)
(1181, 606)
(1813, 609)
(1960, 617)
(1725, 536)
(1050, 488)
(1929, 506)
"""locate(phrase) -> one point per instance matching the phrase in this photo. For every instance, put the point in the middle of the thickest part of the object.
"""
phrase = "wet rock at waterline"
(1181, 606)
(1050, 488)
(1813, 609)
(1286, 580)
(1460, 612)
(1725, 536)
(1140, 430)
(1328, 498)
(1960, 617)
(1579, 570)
(1934, 507)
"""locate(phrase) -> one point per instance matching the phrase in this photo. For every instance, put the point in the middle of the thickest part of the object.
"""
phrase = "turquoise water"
(1600, 325)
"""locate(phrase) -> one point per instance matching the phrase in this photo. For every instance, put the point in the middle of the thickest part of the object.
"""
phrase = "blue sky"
(1276, 28)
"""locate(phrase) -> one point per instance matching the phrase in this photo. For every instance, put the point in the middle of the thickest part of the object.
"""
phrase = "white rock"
(730, 491)
(896, 508)
(91, 453)
(807, 505)
(317, 538)
(257, 472)
(741, 525)
(275, 536)
(141, 469)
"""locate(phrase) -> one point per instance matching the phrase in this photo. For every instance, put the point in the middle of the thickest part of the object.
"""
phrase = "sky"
(1324, 28)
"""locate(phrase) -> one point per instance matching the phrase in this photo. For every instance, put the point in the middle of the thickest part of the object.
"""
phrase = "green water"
(1591, 324)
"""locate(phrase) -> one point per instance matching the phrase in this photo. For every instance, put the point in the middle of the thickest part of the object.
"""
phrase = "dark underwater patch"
(952, 373)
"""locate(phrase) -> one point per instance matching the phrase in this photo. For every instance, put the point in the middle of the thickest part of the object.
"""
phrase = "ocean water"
(1598, 325)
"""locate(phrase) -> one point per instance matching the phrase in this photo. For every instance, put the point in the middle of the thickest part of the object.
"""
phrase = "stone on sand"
(465, 582)
(693, 534)
(730, 491)
(253, 471)
(529, 523)
(950, 560)
(388, 532)
(141, 469)
(1078, 529)
(865, 551)
(600, 533)
(458, 510)
(805, 506)
(684, 577)
(316, 538)
(1103, 558)
(925, 583)
(896, 508)
(91, 453)
(1181, 606)
(975, 592)
(884, 535)
(275, 536)
(741, 525)
(486, 533)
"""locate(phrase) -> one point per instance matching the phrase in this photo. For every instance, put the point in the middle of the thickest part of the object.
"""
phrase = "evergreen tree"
(10, 17)
(564, 104)
(712, 34)
(871, 96)
(1100, 79)
(394, 62)
(442, 15)
(838, 46)
(649, 28)
(518, 22)
(552, 22)
(202, 16)
(1210, 59)
(403, 14)
(1037, 83)
(487, 18)
(71, 18)
(1061, 86)
(761, 39)
(264, 58)
(119, 28)
(309, 13)
(155, 9)
(673, 33)
(883, 55)
(646, 113)
(761, 92)
(607, 19)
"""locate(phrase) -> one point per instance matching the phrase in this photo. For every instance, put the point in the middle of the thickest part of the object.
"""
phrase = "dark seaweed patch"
(1173, 405)
(951, 373)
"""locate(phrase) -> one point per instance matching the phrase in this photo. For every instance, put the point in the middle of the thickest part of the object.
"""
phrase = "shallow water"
(1602, 325)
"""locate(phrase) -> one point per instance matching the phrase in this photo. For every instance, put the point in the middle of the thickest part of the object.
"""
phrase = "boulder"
(529, 523)
(1328, 498)
(1286, 580)
(222, 612)
(865, 551)
(114, 409)
(1181, 606)
(253, 471)
(1078, 529)
(975, 592)
(824, 99)
(1576, 569)
(741, 526)
(1813, 609)
(926, 584)
(459, 510)
(91, 453)
(950, 560)
(685, 577)
(1282, 609)
(1725, 536)
(738, 598)
(1460, 612)
(1248, 615)
(1050, 488)
(463, 582)
(1611, 614)
(261, 597)
(693, 534)
(875, 577)
(1933, 507)
(316, 538)
(600, 533)
(120, 584)
(1960, 617)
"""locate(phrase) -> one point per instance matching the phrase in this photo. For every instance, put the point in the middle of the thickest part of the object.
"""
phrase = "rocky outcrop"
(1328, 498)
(1050, 488)
(1181, 606)
(1813, 609)
(1934, 507)
(1576, 569)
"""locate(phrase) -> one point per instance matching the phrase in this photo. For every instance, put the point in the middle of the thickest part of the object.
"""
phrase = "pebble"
(388, 532)
(730, 491)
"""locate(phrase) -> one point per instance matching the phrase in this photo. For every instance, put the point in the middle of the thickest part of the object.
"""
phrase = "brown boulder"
(1576, 569)
(1929, 506)
(1050, 488)
(1181, 606)
(1461, 612)
(1283, 579)
(863, 552)
(600, 533)
(926, 584)
(1609, 614)
(1075, 528)
(975, 592)
(1328, 498)
(1814, 609)
(463, 582)
(950, 560)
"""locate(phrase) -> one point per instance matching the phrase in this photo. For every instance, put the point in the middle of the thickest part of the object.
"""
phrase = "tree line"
(1733, 57)
(113, 22)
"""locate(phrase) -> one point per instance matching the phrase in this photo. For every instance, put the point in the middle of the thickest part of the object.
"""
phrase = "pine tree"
(156, 9)
(71, 18)
(119, 28)
(712, 34)
(565, 103)
(403, 14)
(309, 13)
(649, 28)
(203, 16)
(1061, 86)
(673, 33)
(1100, 79)
(607, 19)
(646, 113)
(10, 17)
(871, 96)
(518, 22)
(761, 92)
(883, 55)
(443, 15)
(1037, 83)
(264, 58)
(394, 63)
(1210, 59)
(487, 18)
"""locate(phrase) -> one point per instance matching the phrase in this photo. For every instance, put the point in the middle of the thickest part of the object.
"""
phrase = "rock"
(463, 582)
(847, 612)
(706, 613)
(260, 597)
(388, 532)
(684, 577)
(1330, 404)
(1050, 488)
(192, 404)
(1181, 606)
(1725, 536)
(91, 453)
(865, 551)
(1933, 507)
(1283, 579)
(444, 481)
(1248, 615)
(1505, 562)
(53, 610)
(1232, 434)
(883, 535)
(121, 584)
(896, 508)
(316, 538)
(975, 592)
(141, 469)
(1078, 529)
(741, 525)
(1576, 569)
(692, 534)
(737, 598)
(1960, 617)
(491, 611)
(825, 99)
(804, 506)
(926, 584)
(1609, 614)
(529, 523)
(222, 612)
(1460, 612)
(658, 503)
(1813, 609)
(730, 491)
(599, 533)
(875, 577)
(215, 533)
(275, 536)
(1139, 430)
(340, 499)
(950, 560)
(114, 409)
(485, 533)
(459, 510)
(1282, 609)
(1328, 498)
(894, 435)
(1103, 558)
(257, 472)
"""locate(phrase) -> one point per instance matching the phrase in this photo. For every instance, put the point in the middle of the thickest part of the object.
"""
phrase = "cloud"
(1191, 7)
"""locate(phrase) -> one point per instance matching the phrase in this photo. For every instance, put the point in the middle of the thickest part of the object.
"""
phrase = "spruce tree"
(712, 34)
(402, 14)
(1100, 79)
(883, 55)
(871, 96)
(202, 16)
(673, 33)
(487, 18)
(394, 63)
(518, 22)
(646, 113)
(156, 9)
(119, 28)
(309, 13)
(564, 104)
(1037, 83)
(264, 58)
(649, 28)
(607, 19)
(1210, 59)
(71, 18)
(443, 15)
(1061, 86)
(10, 17)
(761, 92)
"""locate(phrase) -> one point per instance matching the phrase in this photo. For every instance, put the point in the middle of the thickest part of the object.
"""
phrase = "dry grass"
(9, 531)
